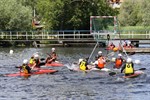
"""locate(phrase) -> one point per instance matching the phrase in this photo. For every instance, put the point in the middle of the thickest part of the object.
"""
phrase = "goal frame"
(114, 17)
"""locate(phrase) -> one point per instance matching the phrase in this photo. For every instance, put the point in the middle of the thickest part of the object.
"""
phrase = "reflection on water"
(67, 84)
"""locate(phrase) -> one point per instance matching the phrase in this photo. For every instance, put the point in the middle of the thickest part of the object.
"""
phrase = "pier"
(137, 50)
(70, 37)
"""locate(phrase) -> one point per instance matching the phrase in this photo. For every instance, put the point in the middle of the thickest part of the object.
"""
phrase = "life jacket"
(118, 63)
(101, 62)
(24, 69)
(83, 65)
(129, 68)
(31, 61)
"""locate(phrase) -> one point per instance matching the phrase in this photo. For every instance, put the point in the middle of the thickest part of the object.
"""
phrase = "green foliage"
(14, 16)
(135, 12)
(71, 14)
(55, 14)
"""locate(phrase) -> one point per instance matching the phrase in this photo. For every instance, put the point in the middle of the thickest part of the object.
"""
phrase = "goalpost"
(100, 26)
(101, 23)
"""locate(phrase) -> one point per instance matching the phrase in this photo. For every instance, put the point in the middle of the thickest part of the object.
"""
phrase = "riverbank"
(51, 44)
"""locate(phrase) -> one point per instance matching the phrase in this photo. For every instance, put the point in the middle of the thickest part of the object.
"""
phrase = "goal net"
(101, 26)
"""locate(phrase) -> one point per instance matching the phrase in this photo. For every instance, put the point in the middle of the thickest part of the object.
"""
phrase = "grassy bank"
(135, 29)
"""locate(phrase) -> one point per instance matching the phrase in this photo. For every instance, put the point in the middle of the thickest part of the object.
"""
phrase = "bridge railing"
(130, 35)
(45, 35)
(68, 35)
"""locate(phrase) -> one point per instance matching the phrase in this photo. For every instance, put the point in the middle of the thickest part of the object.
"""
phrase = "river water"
(68, 85)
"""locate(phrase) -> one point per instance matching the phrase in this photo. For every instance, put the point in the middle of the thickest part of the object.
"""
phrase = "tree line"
(68, 14)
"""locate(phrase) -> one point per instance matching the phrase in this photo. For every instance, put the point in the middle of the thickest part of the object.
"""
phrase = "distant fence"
(71, 35)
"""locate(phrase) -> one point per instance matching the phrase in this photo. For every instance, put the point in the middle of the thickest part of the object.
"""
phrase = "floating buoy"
(113, 59)
(11, 52)
(137, 62)
(115, 49)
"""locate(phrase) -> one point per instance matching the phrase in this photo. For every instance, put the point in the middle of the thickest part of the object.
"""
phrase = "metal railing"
(74, 35)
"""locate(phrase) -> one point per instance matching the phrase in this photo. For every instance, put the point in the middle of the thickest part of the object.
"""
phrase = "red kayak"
(54, 64)
(39, 71)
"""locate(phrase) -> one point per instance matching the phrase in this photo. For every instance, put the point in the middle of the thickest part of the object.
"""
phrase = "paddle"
(17, 66)
(48, 54)
(142, 69)
(42, 59)
(92, 52)
(108, 38)
(114, 73)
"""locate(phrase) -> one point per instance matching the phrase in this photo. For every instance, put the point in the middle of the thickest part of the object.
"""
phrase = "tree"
(71, 14)
(14, 16)
(135, 12)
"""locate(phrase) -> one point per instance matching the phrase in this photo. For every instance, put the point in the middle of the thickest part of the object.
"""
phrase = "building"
(115, 3)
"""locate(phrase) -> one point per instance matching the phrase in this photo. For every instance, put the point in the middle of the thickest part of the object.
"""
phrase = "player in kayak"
(119, 61)
(100, 63)
(111, 46)
(25, 68)
(83, 64)
(52, 56)
(128, 68)
(36, 62)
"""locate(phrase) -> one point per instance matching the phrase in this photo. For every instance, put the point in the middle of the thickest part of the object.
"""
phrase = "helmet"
(25, 61)
(115, 49)
(119, 55)
(53, 49)
(11, 51)
(129, 60)
(129, 42)
(80, 60)
(36, 56)
(36, 53)
(99, 52)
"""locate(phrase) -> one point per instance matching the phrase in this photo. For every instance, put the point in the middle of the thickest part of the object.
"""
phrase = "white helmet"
(53, 49)
(120, 55)
(25, 61)
(11, 51)
(129, 60)
(36, 56)
(99, 52)
(129, 42)
(80, 60)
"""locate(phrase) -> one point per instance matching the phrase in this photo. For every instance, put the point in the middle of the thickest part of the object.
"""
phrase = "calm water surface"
(68, 85)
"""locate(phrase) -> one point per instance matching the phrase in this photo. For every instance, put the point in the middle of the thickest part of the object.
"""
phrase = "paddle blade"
(42, 59)
(142, 69)
(17, 66)
(112, 73)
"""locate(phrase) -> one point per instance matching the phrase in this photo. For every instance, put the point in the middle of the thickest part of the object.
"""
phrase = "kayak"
(136, 74)
(75, 67)
(54, 64)
(39, 71)
(104, 69)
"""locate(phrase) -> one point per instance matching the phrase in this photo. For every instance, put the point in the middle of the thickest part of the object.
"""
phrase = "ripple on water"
(67, 85)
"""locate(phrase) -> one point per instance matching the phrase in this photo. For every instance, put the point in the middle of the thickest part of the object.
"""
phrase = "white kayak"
(104, 69)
